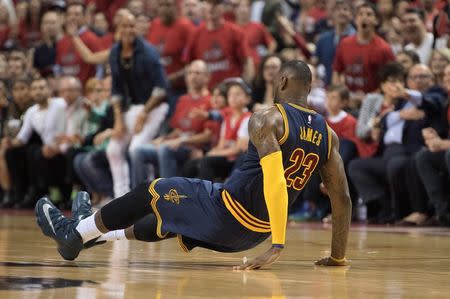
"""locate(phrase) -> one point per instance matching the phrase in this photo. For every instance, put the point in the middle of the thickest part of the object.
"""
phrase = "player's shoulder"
(265, 119)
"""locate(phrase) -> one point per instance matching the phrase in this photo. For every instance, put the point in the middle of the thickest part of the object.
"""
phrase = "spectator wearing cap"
(170, 34)
(328, 41)
(234, 137)
(44, 56)
(222, 45)
(416, 36)
(359, 57)
(169, 152)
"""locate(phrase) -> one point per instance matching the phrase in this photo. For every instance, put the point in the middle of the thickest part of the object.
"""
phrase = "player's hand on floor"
(328, 261)
(266, 259)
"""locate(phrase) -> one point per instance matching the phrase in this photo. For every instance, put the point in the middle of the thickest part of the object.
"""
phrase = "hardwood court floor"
(408, 263)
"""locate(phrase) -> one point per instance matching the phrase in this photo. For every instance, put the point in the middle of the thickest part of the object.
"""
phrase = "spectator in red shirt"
(170, 34)
(234, 137)
(188, 134)
(222, 45)
(29, 29)
(67, 58)
(260, 41)
(359, 57)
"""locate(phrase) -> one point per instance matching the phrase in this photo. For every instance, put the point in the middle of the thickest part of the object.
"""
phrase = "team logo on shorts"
(173, 196)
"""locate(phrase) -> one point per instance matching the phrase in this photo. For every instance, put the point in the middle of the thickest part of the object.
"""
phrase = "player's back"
(305, 147)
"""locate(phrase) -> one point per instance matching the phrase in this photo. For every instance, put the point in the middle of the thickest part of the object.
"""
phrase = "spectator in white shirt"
(44, 163)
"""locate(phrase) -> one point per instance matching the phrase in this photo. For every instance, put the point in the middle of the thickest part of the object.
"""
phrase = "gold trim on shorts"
(155, 198)
(181, 243)
(243, 216)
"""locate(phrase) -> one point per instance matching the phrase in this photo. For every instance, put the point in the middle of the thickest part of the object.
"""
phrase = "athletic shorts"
(203, 214)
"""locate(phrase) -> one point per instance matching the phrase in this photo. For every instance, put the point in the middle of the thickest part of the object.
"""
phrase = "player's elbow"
(346, 203)
(342, 204)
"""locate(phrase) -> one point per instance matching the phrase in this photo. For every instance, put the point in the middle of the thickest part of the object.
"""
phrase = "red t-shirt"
(107, 41)
(171, 41)
(224, 50)
(257, 35)
(29, 36)
(360, 63)
(346, 129)
(181, 120)
(70, 61)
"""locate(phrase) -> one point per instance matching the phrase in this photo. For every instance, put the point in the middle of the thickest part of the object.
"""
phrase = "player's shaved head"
(297, 70)
(293, 82)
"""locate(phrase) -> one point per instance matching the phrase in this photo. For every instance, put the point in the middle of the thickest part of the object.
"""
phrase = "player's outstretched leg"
(143, 230)
(71, 234)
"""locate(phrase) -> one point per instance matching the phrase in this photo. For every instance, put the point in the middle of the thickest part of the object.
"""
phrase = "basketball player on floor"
(288, 144)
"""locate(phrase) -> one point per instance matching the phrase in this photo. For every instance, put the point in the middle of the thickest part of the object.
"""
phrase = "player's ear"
(283, 82)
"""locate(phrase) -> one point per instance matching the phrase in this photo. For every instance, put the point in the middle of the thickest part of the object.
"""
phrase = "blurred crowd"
(105, 95)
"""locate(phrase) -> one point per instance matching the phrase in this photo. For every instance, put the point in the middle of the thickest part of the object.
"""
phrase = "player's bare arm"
(333, 176)
(265, 129)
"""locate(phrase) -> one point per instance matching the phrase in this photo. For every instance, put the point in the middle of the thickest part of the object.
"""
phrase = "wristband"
(280, 246)
(338, 260)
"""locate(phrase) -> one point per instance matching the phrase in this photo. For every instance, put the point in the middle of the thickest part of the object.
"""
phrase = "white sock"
(87, 229)
(114, 235)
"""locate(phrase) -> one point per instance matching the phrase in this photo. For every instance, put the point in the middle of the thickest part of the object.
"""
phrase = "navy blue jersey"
(305, 147)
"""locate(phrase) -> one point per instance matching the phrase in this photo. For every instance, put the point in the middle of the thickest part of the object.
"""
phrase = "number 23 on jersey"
(298, 174)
